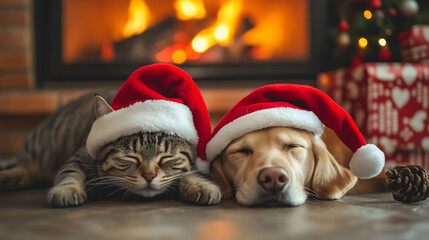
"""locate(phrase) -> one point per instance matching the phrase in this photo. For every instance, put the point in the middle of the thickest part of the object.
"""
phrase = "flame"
(189, 9)
(257, 36)
(138, 15)
(227, 21)
(107, 52)
(222, 31)
(203, 40)
(178, 56)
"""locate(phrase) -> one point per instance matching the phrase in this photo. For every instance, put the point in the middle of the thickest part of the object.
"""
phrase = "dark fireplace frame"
(50, 68)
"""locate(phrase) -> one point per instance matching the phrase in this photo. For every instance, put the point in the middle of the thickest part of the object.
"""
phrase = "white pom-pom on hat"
(367, 162)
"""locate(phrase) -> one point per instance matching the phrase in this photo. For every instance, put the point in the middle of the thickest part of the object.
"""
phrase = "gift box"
(414, 44)
(390, 104)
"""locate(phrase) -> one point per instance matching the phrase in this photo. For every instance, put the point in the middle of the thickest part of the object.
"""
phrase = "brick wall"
(15, 44)
(22, 106)
(16, 73)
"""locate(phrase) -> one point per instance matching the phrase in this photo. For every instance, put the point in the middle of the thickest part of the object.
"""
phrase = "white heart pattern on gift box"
(389, 145)
(382, 72)
(417, 122)
(358, 74)
(426, 33)
(353, 90)
(409, 74)
(425, 144)
(400, 96)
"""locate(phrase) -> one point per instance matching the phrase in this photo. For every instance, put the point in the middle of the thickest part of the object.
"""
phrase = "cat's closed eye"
(125, 162)
(165, 159)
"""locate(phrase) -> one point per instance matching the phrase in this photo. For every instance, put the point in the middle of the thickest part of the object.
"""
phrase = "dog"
(283, 166)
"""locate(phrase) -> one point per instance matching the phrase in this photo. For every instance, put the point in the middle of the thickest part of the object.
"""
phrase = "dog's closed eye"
(245, 151)
(291, 146)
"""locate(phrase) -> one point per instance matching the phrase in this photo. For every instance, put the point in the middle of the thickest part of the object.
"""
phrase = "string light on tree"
(367, 14)
(372, 27)
(384, 53)
(388, 32)
(382, 42)
(363, 42)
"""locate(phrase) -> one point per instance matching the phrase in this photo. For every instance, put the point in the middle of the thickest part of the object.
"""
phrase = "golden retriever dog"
(282, 166)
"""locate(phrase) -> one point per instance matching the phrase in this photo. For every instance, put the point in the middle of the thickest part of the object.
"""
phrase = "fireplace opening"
(211, 39)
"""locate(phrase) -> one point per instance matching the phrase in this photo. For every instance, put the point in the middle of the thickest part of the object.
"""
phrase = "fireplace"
(212, 40)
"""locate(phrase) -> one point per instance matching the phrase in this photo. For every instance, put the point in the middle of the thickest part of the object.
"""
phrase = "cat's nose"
(149, 176)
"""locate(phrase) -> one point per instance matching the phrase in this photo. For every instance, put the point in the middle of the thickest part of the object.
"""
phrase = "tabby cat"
(144, 164)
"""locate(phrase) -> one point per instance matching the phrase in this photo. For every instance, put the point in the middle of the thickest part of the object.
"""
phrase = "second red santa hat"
(155, 98)
(297, 106)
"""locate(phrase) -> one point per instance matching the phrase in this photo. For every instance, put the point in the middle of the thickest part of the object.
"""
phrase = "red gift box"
(390, 104)
(414, 44)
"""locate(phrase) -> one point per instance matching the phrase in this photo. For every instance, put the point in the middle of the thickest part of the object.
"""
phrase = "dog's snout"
(273, 179)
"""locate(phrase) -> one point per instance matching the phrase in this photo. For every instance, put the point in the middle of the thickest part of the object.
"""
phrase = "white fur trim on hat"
(149, 116)
(203, 166)
(272, 117)
(367, 162)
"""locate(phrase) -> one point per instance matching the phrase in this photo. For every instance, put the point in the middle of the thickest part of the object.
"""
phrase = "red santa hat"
(297, 106)
(155, 98)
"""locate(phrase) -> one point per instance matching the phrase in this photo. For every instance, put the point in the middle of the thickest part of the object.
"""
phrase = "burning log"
(144, 46)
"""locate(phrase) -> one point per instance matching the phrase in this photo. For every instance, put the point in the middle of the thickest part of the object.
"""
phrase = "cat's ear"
(101, 107)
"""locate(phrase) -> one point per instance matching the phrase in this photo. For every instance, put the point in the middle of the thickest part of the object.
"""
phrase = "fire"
(227, 21)
(178, 56)
(138, 16)
(258, 36)
(189, 9)
(222, 31)
(203, 40)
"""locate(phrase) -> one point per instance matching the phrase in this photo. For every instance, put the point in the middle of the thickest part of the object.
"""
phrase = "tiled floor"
(25, 215)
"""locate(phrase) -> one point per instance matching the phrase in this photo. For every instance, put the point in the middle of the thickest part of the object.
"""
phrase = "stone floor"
(25, 215)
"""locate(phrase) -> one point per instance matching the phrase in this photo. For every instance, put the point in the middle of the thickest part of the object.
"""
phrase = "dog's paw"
(66, 196)
(201, 193)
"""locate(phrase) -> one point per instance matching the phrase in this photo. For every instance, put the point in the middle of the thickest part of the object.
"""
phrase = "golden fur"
(343, 155)
(310, 166)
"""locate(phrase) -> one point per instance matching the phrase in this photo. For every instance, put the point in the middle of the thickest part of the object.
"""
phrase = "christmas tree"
(368, 30)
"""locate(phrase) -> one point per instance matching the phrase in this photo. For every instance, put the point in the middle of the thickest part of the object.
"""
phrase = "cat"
(56, 151)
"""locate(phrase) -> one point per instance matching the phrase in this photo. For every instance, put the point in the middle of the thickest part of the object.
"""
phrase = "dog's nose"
(273, 178)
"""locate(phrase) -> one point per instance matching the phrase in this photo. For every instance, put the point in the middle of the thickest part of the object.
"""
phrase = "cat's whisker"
(128, 192)
(117, 190)
(170, 188)
(104, 181)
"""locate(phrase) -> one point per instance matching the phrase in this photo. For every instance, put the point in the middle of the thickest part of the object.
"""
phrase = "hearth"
(212, 40)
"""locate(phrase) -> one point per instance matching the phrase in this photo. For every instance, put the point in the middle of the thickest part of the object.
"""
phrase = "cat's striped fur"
(144, 164)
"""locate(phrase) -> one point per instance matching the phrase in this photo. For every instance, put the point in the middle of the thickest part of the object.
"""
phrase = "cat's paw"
(201, 193)
(66, 196)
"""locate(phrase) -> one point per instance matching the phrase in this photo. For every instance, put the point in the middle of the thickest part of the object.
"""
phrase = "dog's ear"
(330, 180)
(217, 175)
